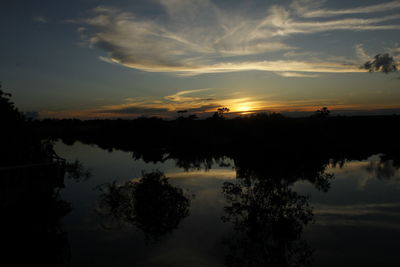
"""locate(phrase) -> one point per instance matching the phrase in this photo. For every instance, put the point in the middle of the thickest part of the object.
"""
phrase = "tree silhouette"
(220, 113)
(18, 143)
(268, 216)
(268, 219)
(9, 114)
(381, 63)
(223, 110)
(32, 212)
(76, 171)
(322, 113)
(151, 204)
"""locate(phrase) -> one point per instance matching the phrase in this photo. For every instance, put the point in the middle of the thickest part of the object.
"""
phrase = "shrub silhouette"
(322, 113)
(9, 114)
(151, 204)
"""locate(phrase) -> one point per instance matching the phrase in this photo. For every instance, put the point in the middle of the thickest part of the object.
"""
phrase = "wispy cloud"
(297, 75)
(310, 9)
(280, 23)
(134, 110)
(40, 19)
(272, 66)
(361, 53)
(196, 36)
(166, 106)
(181, 96)
(395, 51)
(163, 110)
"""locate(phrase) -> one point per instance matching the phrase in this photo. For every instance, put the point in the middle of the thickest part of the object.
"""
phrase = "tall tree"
(381, 63)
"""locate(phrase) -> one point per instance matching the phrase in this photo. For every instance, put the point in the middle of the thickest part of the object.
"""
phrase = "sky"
(128, 58)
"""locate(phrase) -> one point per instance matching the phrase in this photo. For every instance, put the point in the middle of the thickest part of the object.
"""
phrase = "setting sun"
(244, 109)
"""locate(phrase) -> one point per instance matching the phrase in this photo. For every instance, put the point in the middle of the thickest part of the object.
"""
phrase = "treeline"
(19, 143)
(340, 137)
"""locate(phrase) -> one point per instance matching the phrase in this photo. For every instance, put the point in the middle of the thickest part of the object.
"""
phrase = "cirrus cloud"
(195, 37)
(312, 8)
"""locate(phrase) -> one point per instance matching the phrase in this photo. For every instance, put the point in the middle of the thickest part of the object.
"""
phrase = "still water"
(227, 215)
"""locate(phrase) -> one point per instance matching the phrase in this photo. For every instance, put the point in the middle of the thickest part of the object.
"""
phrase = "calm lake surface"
(353, 222)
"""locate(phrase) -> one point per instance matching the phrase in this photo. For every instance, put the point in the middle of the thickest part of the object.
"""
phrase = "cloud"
(301, 54)
(361, 53)
(164, 110)
(107, 60)
(204, 108)
(309, 9)
(134, 110)
(40, 19)
(272, 66)
(180, 96)
(161, 106)
(395, 52)
(279, 23)
(297, 75)
(304, 6)
(195, 37)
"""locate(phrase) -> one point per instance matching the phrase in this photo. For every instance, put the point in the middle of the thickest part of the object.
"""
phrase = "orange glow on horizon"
(244, 108)
(241, 106)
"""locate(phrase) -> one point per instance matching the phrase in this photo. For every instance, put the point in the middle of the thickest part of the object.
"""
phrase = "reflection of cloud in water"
(206, 185)
(348, 167)
(382, 170)
(364, 194)
(380, 215)
(211, 174)
(181, 255)
(359, 209)
(367, 171)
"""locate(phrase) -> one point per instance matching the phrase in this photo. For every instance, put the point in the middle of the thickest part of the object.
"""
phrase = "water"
(323, 215)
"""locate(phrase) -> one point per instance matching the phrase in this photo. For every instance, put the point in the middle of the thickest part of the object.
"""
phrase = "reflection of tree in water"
(31, 217)
(268, 220)
(151, 204)
(184, 158)
(76, 171)
(197, 161)
(267, 214)
(290, 168)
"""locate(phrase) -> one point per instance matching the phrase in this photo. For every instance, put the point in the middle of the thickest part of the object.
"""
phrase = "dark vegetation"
(269, 152)
(23, 147)
(151, 204)
(19, 143)
(31, 214)
(31, 176)
(381, 63)
(155, 139)
(268, 218)
(260, 147)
